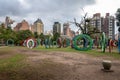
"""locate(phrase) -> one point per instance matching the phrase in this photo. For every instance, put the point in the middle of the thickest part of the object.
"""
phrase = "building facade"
(57, 28)
(109, 26)
(104, 24)
(96, 21)
(67, 31)
(22, 26)
(38, 27)
(8, 22)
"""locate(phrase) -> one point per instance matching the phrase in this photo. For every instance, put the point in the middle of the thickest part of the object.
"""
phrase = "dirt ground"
(44, 65)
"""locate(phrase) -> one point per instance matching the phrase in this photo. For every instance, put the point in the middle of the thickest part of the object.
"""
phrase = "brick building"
(22, 26)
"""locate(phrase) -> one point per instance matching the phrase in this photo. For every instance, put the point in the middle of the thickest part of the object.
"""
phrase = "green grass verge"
(93, 52)
(11, 63)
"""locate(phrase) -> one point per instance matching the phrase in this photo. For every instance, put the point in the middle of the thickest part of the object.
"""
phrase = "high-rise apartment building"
(104, 24)
(96, 21)
(57, 28)
(38, 27)
(109, 26)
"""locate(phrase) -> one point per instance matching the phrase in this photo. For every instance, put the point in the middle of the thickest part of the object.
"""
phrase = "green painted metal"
(10, 42)
(78, 40)
(103, 42)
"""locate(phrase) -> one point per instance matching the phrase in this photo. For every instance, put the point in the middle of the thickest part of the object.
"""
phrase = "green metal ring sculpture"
(10, 42)
(88, 41)
(54, 43)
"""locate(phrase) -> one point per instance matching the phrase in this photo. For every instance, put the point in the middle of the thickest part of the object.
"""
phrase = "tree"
(23, 35)
(41, 36)
(36, 35)
(87, 28)
(6, 34)
(82, 26)
(56, 36)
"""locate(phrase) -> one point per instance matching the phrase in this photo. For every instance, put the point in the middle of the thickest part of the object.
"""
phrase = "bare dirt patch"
(71, 66)
(44, 65)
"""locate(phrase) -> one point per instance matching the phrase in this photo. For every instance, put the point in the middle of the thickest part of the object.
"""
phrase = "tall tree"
(86, 27)
(82, 25)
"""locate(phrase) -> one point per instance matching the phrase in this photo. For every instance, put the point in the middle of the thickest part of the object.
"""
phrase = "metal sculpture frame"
(86, 38)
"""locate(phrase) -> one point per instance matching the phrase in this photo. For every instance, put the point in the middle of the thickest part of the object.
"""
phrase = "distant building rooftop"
(38, 21)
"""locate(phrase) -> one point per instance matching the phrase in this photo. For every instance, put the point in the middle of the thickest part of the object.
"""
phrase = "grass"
(93, 52)
(42, 48)
(11, 63)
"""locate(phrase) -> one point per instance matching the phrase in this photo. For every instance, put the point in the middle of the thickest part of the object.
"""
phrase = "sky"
(50, 11)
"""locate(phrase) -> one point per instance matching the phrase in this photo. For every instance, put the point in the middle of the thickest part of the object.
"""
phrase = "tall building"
(66, 29)
(8, 22)
(38, 27)
(96, 21)
(57, 28)
(104, 24)
(109, 26)
(22, 26)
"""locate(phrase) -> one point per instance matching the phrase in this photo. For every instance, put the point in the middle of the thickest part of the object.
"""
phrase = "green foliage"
(36, 35)
(6, 34)
(23, 35)
(56, 36)
(41, 36)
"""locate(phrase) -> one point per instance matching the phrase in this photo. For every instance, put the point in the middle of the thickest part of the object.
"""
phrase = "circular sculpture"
(30, 43)
(54, 44)
(114, 43)
(103, 42)
(24, 43)
(84, 40)
(10, 42)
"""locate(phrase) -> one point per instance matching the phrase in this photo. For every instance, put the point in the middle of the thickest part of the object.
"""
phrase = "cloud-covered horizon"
(48, 10)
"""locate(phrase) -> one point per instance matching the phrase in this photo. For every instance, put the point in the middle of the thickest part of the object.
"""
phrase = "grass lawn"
(93, 52)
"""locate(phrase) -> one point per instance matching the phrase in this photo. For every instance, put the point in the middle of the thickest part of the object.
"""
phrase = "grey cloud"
(9, 7)
(13, 7)
(58, 5)
(48, 10)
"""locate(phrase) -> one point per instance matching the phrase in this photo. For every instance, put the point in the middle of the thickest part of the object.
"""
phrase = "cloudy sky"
(54, 10)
